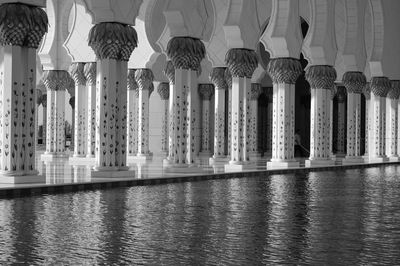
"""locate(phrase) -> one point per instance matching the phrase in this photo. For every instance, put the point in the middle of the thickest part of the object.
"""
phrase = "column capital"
(89, 70)
(56, 80)
(22, 25)
(284, 70)
(394, 92)
(217, 77)
(169, 71)
(380, 86)
(354, 81)
(186, 52)
(112, 40)
(256, 91)
(241, 62)
(163, 90)
(321, 77)
(367, 91)
(77, 72)
(206, 91)
(131, 81)
(144, 77)
(44, 100)
(228, 78)
(341, 94)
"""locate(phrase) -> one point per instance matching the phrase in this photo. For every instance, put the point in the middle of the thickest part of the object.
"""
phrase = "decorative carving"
(169, 71)
(144, 77)
(256, 91)
(163, 90)
(341, 94)
(71, 86)
(217, 77)
(90, 70)
(111, 40)
(284, 70)
(354, 81)
(228, 78)
(22, 25)
(367, 91)
(76, 71)
(241, 62)
(56, 80)
(380, 86)
(186, 52)
(321, 77)
(132, 84)
(394, 92)
(206, 91)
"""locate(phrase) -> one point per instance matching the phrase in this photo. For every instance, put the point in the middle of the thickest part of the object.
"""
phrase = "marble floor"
(64, 171)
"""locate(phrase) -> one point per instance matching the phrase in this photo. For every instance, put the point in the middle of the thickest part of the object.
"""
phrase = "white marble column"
(144, 78)
(255, 93)
(367, 95)
(228, 80)
(205, 91)
(44, 123)
(132, 123)
(56, 82)
(39, 97)
(341, 122)
(321, 79)
(269, 121)
(163, 91)
(284, 73)
(186, 62)
(392, 122)
(72, 104)
(354, 83)
(18, 91)
(111, 96)
(377, 144)
(217, 77)
(241, 64)
(81, 110)
(333, 94)
(90, 76)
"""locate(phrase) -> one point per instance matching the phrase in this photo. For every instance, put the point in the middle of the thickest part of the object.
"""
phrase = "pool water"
(346, 217)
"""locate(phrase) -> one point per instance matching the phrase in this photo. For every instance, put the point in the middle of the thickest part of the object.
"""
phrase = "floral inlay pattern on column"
(253, 130)
(217, 77)
(132, 124)
(341, 120)
(228, 80)
(284, 73)
(163, 91)
(90, 76)
(206, 91)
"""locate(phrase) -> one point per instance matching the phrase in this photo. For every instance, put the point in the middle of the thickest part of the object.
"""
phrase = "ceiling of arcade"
(352, 35)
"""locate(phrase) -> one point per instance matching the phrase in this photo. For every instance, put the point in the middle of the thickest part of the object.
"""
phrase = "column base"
(50, 156)
(254, 155)
(394, 159)
(181, 168)
(352, 160)
(205, 154)
(378, 159)
(82, 160)
(112, 174)
(217, 160)
(316, 162)
(238, 167)
(140, 157)
(282, 164)
(338, 156)
(6, 178)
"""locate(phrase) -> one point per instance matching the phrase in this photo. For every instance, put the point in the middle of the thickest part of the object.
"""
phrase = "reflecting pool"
(344, 217)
